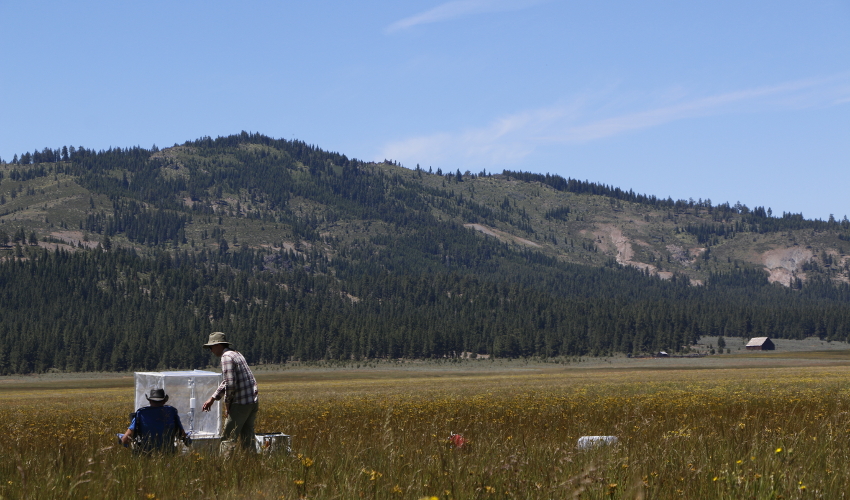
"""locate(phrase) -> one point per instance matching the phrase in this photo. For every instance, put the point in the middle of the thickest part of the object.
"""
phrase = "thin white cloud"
(689, 109)
(459, 8)
(511, 138)
(506, 139)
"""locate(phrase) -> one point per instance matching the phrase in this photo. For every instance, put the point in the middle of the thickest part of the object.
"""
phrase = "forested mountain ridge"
(305, 254)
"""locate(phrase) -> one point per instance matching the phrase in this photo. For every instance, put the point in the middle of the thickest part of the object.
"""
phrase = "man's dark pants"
(239, 428)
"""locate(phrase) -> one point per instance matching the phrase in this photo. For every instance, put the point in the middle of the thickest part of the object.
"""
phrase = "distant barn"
(760, 344)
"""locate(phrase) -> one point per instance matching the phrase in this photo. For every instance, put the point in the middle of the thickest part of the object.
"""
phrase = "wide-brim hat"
(217, 338)
(157, 395)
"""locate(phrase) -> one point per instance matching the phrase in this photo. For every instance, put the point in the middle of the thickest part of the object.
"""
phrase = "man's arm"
(128, 436)
(226, 386)
(181, 432)
(215, 397)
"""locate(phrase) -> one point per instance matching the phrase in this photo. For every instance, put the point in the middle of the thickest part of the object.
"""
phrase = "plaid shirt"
(238, 385)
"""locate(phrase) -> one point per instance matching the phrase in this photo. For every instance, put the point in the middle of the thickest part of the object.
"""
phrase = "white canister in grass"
(587, 442)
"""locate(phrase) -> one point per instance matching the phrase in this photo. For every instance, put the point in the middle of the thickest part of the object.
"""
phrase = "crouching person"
(155, 427)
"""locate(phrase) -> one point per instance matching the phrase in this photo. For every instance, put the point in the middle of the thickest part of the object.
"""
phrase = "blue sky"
(732, 101)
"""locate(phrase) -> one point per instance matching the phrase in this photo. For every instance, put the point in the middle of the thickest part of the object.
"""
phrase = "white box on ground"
(273, 442)
(587, 442)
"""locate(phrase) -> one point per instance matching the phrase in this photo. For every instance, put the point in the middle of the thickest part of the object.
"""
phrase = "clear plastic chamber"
(187, 391)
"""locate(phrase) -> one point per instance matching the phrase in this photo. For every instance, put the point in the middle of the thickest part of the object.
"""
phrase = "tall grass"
(768, 433)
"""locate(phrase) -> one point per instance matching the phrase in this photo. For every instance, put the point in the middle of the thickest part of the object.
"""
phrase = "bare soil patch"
(501, 235)
(74, 237)
(782, 264)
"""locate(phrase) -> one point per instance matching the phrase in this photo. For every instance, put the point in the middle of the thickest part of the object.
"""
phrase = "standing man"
(240, 396)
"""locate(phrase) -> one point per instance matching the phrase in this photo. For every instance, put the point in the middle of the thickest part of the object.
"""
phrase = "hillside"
(327, 201)
(307, 254)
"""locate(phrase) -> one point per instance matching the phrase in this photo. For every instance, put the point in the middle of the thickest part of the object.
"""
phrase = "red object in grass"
(457, 441)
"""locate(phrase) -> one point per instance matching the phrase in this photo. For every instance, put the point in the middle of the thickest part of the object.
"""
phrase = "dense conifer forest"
(128, 258)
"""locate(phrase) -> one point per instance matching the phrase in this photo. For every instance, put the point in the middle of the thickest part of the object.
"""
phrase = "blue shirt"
(155, 427)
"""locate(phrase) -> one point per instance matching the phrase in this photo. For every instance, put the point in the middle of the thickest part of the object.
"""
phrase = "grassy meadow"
(717, 427)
